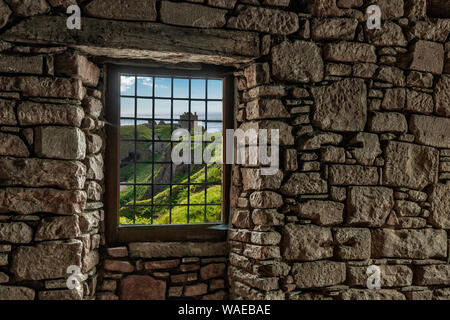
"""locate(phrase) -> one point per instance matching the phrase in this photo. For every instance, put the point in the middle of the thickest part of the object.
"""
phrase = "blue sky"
(163, 89)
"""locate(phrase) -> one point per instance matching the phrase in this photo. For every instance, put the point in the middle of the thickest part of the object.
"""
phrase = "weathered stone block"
(352, 243)
(176, 249)
(26, 8)
(324, 213)
(387, 122)
(299, 61)
(340, 174)
(252, 179)
(12, 145)
(74, 294)
(31, 200)
(136, 287)
(30, 113)
(368, 294)
(419, 102)
(47, 260)
(284, 130)
(304, 183)
(135, 10)
(390, 9)
(431, 131)
(350, 52)
(16, 232)
(341, 106)
(410, 244)
(442, 96)
(318, 139)
(433, 275)
(264, 20)
(256, 74)
(422, 52)
(16, 293)
(318, 274)
(15, 64)
(7, 112)
(58, 228)
(367, 148)
(265, 200)
(334, 29)
(267, 217)
(440, 204)
(227, 4)
(5, 13)
(242, 219)
(42, 173)
(44, 87)
(94, 165)
(411, 166)
(266, 109)
(213, 270)
(192, 15)
(391, 276)
(390, 34)
(79, 67)
(306, 242)
(60, 143)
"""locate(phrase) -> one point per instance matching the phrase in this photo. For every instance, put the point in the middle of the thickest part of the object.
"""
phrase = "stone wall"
(364, 174)
(365, 149)
(169, 270)
(51, 170)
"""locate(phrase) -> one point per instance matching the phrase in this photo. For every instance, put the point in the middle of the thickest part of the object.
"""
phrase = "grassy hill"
(179, 192)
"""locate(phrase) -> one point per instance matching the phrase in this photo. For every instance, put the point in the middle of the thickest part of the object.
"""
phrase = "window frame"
(116, 233)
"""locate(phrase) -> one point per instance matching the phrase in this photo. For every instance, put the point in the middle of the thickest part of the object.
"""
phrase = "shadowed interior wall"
(364, 157)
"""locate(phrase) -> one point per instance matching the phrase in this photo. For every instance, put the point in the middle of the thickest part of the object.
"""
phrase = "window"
(148, 196)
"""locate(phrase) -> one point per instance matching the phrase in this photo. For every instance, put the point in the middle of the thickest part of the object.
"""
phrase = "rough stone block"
(44, 87)
(12, 145)
(341, 106)
(369, 206)
(135, 10)
(318, 274)
(352, 243)
(191, 15)
(299, 61)
(47, 260)
(416, 170)
(352, 175)
(16, 232)
(431, 131)
(409, 244)
(350, 52)
(422, 52)
(264, 20)
(58, 228)
(60, 143)
(306, 242)
(32, 200)
(35, 172)
(440, 204)
(138, 287)
(176, 249)
(324, 213)
(304, 183)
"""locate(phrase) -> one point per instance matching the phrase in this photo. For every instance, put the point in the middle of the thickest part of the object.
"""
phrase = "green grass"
(179, 196)
(179, 192)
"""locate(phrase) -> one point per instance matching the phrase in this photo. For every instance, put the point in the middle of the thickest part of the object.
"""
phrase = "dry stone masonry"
(364, 120)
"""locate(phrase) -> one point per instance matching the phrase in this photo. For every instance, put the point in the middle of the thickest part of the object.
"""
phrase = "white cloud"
(126, 83)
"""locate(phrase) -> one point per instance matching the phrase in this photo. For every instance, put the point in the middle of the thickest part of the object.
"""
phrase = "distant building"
(184, 120)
